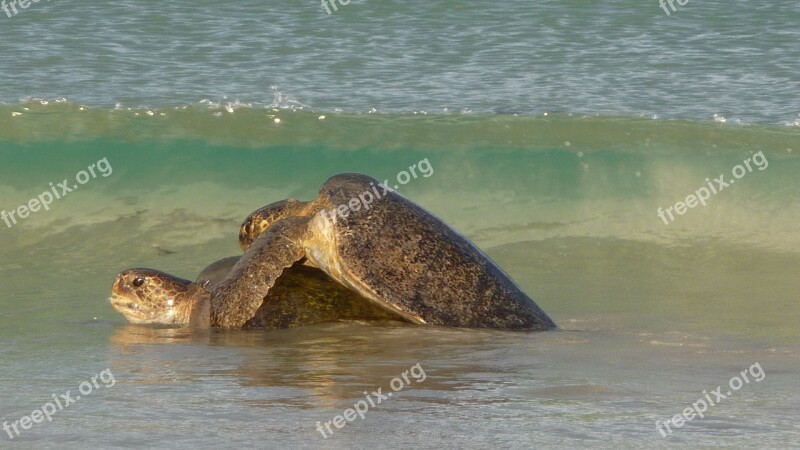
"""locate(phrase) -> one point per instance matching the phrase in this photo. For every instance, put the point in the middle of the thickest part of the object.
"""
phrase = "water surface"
(555, 131)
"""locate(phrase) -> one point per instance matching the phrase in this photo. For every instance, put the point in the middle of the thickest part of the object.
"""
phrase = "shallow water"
(555, 131)
(650, 315)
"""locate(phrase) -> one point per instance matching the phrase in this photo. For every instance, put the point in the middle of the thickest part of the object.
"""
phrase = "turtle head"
(151, 297)
(261, 219)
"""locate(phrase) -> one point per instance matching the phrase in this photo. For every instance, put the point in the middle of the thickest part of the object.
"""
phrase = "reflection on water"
(497, 381)
(129, 335)
(328, 362)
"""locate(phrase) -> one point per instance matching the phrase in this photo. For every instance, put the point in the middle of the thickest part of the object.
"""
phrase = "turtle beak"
(123, 304)
(132, 310)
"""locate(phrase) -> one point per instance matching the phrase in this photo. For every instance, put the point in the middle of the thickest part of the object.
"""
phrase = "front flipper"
(236, 300)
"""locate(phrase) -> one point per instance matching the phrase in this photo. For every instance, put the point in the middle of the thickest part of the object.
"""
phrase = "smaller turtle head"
(261, 219)
(148, 296)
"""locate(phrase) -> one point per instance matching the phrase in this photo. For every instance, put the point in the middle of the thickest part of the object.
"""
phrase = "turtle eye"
(248, 227)
(138, 281)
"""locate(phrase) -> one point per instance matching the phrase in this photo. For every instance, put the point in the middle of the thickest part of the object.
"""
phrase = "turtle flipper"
(200, 316)
(236, 300)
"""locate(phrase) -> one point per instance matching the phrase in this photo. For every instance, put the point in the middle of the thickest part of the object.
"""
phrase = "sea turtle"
(377, 243)
(302, 295)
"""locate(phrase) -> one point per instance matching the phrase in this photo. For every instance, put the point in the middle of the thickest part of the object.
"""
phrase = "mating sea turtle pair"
(383, 259)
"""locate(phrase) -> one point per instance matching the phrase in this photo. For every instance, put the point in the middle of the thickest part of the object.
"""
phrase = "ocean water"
(572, 141)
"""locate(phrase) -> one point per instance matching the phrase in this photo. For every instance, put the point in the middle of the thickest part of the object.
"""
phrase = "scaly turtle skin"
(389, 250)
(149, 296)
(302, 296)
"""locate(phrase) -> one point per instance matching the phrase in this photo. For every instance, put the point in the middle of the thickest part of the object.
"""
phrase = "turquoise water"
(555, 130)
